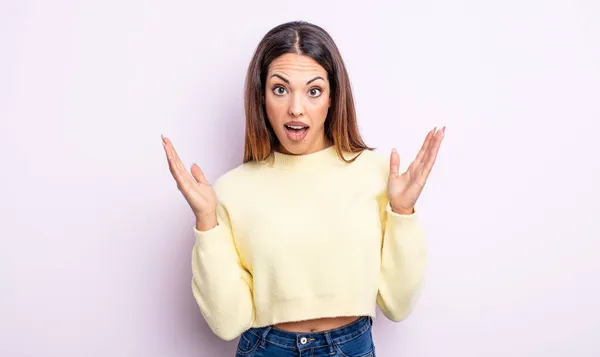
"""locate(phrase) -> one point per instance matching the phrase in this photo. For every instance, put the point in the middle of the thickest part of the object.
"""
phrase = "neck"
(324, 143)
(326, 157)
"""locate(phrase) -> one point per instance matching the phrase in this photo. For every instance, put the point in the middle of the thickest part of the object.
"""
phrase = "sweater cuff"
(216, 230)
(413, 216)
(213, 241)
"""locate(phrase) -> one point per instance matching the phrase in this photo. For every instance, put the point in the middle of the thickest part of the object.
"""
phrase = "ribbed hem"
(212, 231)
(211, 241)
(410, 217)
(351, 304)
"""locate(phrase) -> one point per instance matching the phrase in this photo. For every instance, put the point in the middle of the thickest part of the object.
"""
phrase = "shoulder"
(375, 161)
(235, 179)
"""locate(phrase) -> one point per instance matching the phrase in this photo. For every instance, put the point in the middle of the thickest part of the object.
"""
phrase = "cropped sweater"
(302, 237)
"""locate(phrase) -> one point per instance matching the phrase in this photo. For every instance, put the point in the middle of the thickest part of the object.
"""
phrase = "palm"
(195, 187)
(404, 189)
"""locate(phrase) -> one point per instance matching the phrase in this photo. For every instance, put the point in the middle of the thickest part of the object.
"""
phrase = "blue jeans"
(351, 340)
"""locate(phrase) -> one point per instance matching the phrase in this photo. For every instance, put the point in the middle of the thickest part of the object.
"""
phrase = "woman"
(296, 246)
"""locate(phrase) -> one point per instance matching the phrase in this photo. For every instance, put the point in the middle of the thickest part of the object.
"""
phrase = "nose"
(296, 107)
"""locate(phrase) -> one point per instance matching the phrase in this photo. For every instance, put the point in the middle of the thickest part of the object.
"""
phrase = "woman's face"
(297, 100)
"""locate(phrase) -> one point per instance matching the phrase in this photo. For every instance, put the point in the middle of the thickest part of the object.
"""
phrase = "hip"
(351, 340)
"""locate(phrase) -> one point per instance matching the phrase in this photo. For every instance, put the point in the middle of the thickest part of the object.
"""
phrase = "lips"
(296, 130)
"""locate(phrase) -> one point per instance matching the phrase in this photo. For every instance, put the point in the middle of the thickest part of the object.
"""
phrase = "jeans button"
(303, 340)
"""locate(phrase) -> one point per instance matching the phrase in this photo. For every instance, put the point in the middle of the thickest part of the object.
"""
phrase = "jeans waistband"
(308, 340)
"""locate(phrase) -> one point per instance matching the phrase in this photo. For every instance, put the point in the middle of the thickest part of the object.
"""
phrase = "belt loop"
(264, 336)
(330, 343)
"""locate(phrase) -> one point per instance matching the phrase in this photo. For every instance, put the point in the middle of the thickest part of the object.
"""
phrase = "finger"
(425, 146)
(432, 155)
(170, 159)
(179, 171)
(198, 174)
(170, 156)
(394, 163)
(176, 160)
(417, 163)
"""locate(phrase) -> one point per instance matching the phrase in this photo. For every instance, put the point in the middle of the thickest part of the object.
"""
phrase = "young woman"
(296, 246)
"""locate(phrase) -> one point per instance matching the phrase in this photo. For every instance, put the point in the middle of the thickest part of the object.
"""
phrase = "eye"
(315, 92)
(279, 90)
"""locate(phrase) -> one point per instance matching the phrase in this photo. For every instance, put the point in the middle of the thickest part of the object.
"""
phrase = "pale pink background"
(95, 238)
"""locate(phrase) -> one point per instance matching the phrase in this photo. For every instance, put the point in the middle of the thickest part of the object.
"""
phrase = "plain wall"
(96, 240)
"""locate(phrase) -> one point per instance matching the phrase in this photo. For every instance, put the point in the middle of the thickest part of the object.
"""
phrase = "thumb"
(394, 163)
(198, 174)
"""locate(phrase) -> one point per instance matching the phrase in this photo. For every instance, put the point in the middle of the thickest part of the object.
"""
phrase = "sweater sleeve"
(403, 261)
(221, 285)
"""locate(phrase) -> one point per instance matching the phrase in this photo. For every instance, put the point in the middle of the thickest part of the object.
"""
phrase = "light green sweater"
(304, 237)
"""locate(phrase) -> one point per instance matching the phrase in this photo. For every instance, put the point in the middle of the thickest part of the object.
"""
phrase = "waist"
(316, 325)
(306, 340)
(273, 312)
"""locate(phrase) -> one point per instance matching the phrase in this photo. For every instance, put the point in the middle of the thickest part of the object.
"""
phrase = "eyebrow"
(288, 82)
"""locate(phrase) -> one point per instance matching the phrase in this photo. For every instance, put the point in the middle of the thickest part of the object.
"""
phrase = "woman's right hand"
(195, 188)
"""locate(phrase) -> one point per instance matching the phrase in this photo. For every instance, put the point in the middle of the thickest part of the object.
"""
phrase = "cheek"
(274, 109)
(319, 111)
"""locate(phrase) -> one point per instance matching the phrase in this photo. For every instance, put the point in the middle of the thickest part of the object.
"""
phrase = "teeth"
(295, 127)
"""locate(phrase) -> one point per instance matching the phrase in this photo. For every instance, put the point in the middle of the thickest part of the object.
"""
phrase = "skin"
(297, 88)
(288, 97)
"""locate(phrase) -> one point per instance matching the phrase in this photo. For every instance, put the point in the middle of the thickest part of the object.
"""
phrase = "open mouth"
(296, 132)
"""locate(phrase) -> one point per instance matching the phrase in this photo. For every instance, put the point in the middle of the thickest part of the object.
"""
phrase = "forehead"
(294, 65)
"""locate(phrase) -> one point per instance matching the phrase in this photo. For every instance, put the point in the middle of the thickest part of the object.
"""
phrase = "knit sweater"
(302, 237)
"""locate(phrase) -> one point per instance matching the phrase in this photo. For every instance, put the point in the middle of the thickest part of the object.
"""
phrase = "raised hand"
(404, 189)
(195, 187)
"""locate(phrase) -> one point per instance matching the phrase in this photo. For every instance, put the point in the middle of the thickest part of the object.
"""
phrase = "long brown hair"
(302, 38)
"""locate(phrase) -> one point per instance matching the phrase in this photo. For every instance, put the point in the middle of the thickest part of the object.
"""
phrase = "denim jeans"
(351, 340)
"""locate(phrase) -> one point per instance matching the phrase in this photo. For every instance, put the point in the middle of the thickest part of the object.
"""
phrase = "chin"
(294, 148)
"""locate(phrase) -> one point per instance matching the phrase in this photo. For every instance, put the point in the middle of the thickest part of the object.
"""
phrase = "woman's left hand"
(404, 189)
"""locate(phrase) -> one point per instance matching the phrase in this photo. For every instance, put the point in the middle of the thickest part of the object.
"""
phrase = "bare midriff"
(316, 325)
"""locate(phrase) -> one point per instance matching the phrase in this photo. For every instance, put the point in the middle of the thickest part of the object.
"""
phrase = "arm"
(403, 262)
(403, 251)
(221, 286)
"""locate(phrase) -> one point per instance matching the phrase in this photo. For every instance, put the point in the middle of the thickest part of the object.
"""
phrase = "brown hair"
(302, 38)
